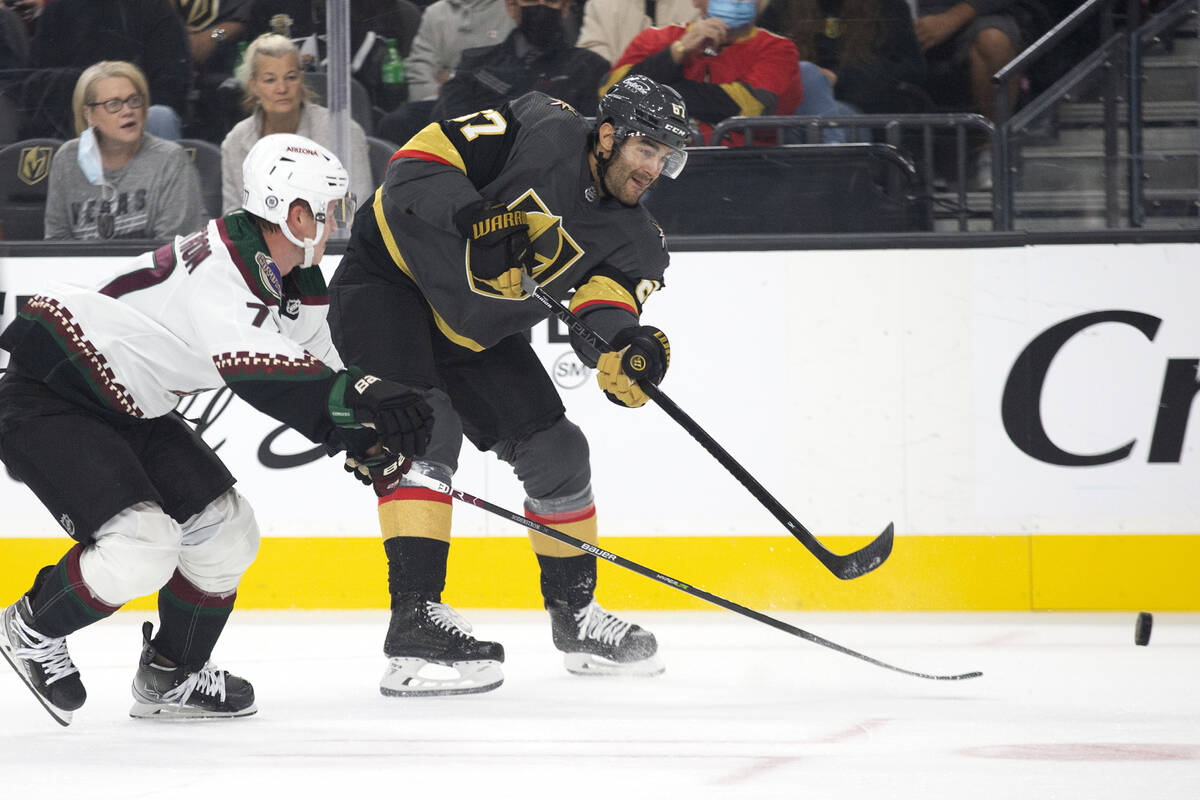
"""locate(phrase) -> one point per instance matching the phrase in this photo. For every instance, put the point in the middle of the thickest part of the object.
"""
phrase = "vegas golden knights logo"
(198, 14)
(34, 164)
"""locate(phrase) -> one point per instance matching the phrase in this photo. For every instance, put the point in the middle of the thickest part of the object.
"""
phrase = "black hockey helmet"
(640, 106)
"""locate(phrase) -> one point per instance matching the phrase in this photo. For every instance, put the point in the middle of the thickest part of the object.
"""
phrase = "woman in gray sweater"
(279, 102)
(116, 180)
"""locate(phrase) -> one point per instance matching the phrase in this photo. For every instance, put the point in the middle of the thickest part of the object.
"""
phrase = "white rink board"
(857, 386)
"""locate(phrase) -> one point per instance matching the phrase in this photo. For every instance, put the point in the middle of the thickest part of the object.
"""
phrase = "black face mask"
(542, 26)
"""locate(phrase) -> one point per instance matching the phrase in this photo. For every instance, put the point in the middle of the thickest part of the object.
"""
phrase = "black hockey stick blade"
(848, 566)
(438, 486)
(845, 567)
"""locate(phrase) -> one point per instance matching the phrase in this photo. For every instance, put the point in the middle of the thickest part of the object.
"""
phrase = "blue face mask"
(88, 157)
(734, 13)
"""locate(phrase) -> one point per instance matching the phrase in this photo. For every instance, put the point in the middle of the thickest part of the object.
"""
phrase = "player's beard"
(618, 183)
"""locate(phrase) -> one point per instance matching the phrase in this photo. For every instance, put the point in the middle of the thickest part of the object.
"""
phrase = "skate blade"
(416, 677)
(61, 716)
(174, 712)
(588, 664)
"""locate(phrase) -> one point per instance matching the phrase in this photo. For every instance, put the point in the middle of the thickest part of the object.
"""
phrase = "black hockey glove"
(402, 420)
(499, 249)
(382, 472)
(641, 353)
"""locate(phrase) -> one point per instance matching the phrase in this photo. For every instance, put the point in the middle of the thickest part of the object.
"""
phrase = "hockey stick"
(845, 567)
(435, 485)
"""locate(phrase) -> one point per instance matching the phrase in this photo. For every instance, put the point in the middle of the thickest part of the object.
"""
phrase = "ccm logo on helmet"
(307, 151)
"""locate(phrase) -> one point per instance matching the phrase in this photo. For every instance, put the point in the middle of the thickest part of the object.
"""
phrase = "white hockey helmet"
(284, 167)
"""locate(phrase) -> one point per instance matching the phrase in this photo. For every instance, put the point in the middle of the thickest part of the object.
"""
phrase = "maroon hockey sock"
(61, 602)
(190, 621)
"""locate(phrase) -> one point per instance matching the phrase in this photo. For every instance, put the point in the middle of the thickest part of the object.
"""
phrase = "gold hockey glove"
(498, 248)
(641, 353)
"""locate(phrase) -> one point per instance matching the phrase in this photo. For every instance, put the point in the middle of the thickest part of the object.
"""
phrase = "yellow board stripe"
(389, 241)
(768, 573)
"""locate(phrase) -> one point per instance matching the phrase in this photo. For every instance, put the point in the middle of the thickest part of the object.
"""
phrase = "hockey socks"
(61, 602)
(416, 564)
(190, 621)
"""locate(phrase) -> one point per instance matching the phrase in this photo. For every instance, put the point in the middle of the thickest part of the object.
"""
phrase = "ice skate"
(162, 692)
(42, 662)
(595, 642)
(431, 651)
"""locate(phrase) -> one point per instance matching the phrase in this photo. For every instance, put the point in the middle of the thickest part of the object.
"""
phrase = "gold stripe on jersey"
(748, 104)
(389, 241)
(432, 140)
(603, 290)
(613, 78)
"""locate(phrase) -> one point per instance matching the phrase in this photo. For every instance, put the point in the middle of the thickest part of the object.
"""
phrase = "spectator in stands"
(214, 28)
(78, 33)
(27, 10)
(14, 41)
(535, 56)
(722, 65)
(372, 22)
(966, 43)
(862, 53)
(610, 25)
(448, 27)
(279, 102)
(116, 180)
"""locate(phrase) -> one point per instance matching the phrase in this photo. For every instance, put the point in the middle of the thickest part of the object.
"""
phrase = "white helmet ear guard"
(282, 168)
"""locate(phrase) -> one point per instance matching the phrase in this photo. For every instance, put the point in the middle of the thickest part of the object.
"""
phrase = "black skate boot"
(175, 693)
(425, 632)
(42, 662)
(595, 642)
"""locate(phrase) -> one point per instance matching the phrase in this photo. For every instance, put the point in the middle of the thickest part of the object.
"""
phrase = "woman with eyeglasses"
(116, 181)
(279, 102)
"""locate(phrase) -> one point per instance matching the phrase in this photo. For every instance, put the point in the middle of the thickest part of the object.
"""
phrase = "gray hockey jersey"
(530, 154)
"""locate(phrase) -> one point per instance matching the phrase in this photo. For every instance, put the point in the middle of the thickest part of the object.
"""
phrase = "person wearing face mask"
(116, 180)
(722, 65)
(88, 422)
(534, 57)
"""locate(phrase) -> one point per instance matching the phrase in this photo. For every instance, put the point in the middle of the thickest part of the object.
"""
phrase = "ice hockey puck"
(1141, 633)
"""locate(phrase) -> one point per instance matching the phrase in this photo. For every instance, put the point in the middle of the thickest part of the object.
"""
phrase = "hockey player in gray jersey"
(435, 264)
(87, 421)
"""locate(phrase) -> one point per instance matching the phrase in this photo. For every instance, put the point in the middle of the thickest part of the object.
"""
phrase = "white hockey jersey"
(209, 309)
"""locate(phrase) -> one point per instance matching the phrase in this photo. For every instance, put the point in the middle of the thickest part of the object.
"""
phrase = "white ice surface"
(1067, 708)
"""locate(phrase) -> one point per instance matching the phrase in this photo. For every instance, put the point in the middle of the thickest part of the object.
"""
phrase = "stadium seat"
(207, 158)
(786, 189)
(24, 178)
(379, 151)
(360, 101)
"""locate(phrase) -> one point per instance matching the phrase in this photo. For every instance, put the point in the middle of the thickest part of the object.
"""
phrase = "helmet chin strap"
(308, 244)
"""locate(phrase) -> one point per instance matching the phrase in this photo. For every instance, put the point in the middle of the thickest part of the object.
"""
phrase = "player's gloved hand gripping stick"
(402, 420)
(845, 567)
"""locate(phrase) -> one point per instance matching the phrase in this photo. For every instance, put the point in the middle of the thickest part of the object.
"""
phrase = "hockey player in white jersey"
(88, 422)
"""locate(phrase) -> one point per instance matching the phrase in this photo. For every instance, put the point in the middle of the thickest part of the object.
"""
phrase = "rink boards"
(1021, 414)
